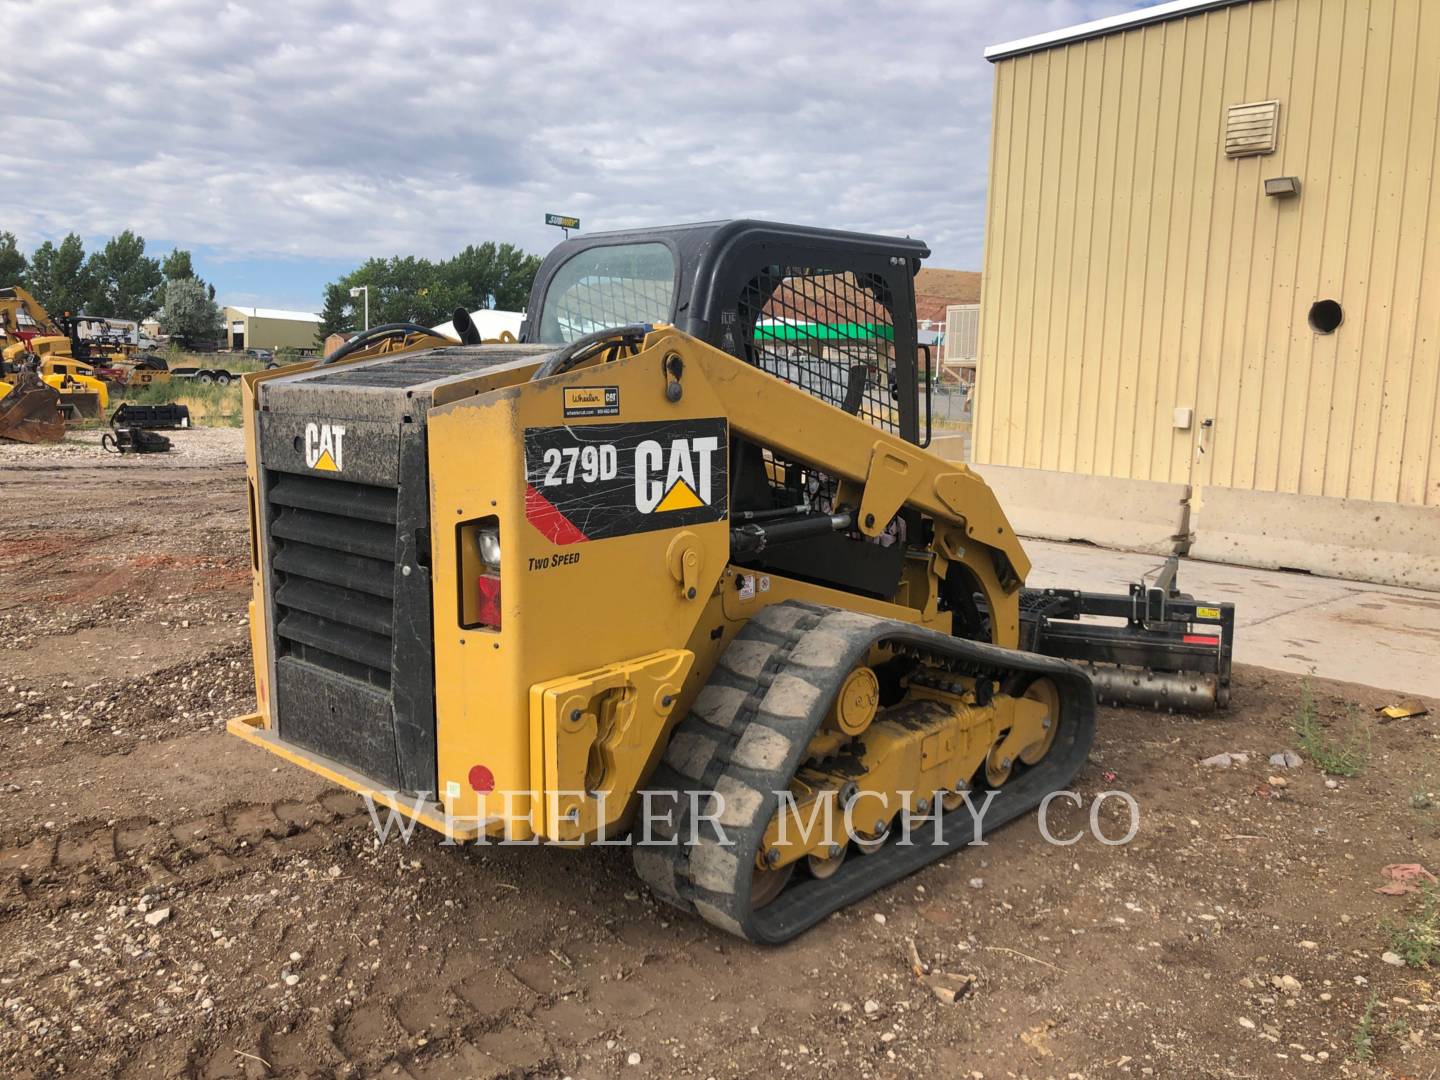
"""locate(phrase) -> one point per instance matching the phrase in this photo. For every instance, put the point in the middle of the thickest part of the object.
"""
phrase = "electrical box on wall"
(1184, 416)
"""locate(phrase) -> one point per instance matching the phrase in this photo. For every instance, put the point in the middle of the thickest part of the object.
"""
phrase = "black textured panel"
(339, 717)
(413, 369)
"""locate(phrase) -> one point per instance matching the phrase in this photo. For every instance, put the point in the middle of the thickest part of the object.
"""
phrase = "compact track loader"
(676, 564)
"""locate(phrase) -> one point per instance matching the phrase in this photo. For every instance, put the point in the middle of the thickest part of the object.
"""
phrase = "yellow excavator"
(61, 383)
(676, 567)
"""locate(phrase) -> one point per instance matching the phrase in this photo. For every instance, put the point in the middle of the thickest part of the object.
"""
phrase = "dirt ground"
(174, 902)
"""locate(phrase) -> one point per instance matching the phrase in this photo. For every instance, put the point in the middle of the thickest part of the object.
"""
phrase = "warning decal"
(603, 480)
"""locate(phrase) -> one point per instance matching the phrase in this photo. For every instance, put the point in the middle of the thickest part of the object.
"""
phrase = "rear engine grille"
(333, 545)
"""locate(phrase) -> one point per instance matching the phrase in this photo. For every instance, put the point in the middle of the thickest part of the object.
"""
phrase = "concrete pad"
(1350, 538)
(1132, 515)
(1377, 635)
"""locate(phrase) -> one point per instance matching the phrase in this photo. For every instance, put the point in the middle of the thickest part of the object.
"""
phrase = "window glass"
(608, 286)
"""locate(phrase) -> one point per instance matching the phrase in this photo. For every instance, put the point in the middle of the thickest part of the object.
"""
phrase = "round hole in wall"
(1326, 316)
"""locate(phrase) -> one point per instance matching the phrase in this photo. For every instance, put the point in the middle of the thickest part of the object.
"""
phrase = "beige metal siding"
(281, 334)
(1132, 267)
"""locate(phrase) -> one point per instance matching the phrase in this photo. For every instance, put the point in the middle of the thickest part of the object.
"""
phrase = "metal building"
(1212, 282)
(269, 328)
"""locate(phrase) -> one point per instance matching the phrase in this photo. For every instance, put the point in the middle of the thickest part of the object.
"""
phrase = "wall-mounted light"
(1282, 187)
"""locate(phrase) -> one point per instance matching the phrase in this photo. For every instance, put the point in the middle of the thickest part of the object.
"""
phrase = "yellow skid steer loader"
(676, 566)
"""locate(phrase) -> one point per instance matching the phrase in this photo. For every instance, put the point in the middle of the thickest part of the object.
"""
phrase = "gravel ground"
(174, 902)
(81, 449)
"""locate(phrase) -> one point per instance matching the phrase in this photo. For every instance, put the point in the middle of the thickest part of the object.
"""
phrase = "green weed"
(1417, 939)
(1362, 1043)
(1336, 756)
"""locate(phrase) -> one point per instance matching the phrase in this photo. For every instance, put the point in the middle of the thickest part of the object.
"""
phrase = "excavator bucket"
(30, 412)
(80, 404)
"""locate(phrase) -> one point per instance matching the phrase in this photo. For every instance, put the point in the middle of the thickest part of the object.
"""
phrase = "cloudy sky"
(285, 142)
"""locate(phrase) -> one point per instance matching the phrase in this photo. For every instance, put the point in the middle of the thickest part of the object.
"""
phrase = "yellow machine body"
(565, 709)
(675, 567)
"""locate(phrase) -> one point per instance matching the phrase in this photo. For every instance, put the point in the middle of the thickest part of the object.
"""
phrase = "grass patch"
(230, 362)
(1362, 1043)
(1417, 939)
(1336, 756)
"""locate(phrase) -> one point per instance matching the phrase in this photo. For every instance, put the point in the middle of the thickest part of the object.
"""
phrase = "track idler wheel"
(871, 845)
(950, 801)
(1044, 691)
(767, 883)
(823, 867)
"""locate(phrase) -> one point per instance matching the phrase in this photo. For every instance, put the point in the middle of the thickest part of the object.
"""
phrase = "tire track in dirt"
(57, 723)
(59, 869)
(429, 1007)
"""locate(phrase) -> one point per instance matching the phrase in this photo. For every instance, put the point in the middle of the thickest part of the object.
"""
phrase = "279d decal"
(601, 480)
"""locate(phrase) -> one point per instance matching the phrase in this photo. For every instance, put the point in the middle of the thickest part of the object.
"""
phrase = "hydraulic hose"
(582, 348)
(374, 334)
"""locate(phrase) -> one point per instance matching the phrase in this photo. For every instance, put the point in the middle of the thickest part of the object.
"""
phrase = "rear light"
(487, 601)
(478, 563)
(487, 543)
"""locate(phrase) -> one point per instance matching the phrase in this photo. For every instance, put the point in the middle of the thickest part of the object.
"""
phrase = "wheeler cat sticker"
(591, 401)
(594, 481)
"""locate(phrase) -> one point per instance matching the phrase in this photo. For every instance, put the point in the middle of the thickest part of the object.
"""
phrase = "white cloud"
(343, 130)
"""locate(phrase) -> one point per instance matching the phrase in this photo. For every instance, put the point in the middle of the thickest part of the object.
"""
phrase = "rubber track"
(746, 736)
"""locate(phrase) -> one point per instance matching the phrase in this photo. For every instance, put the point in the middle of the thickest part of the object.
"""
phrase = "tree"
(125, 283)
(189, 314)
(337, 316)
(59, 276)
(410, 289)
(402, 289)
(177, 265)
(491, 275)
(12, 263)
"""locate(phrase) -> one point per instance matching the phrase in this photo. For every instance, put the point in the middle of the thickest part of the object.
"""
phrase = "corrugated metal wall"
(1131, 268)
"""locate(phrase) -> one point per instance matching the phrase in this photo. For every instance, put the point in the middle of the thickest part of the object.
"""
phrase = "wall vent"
(1252, 128)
